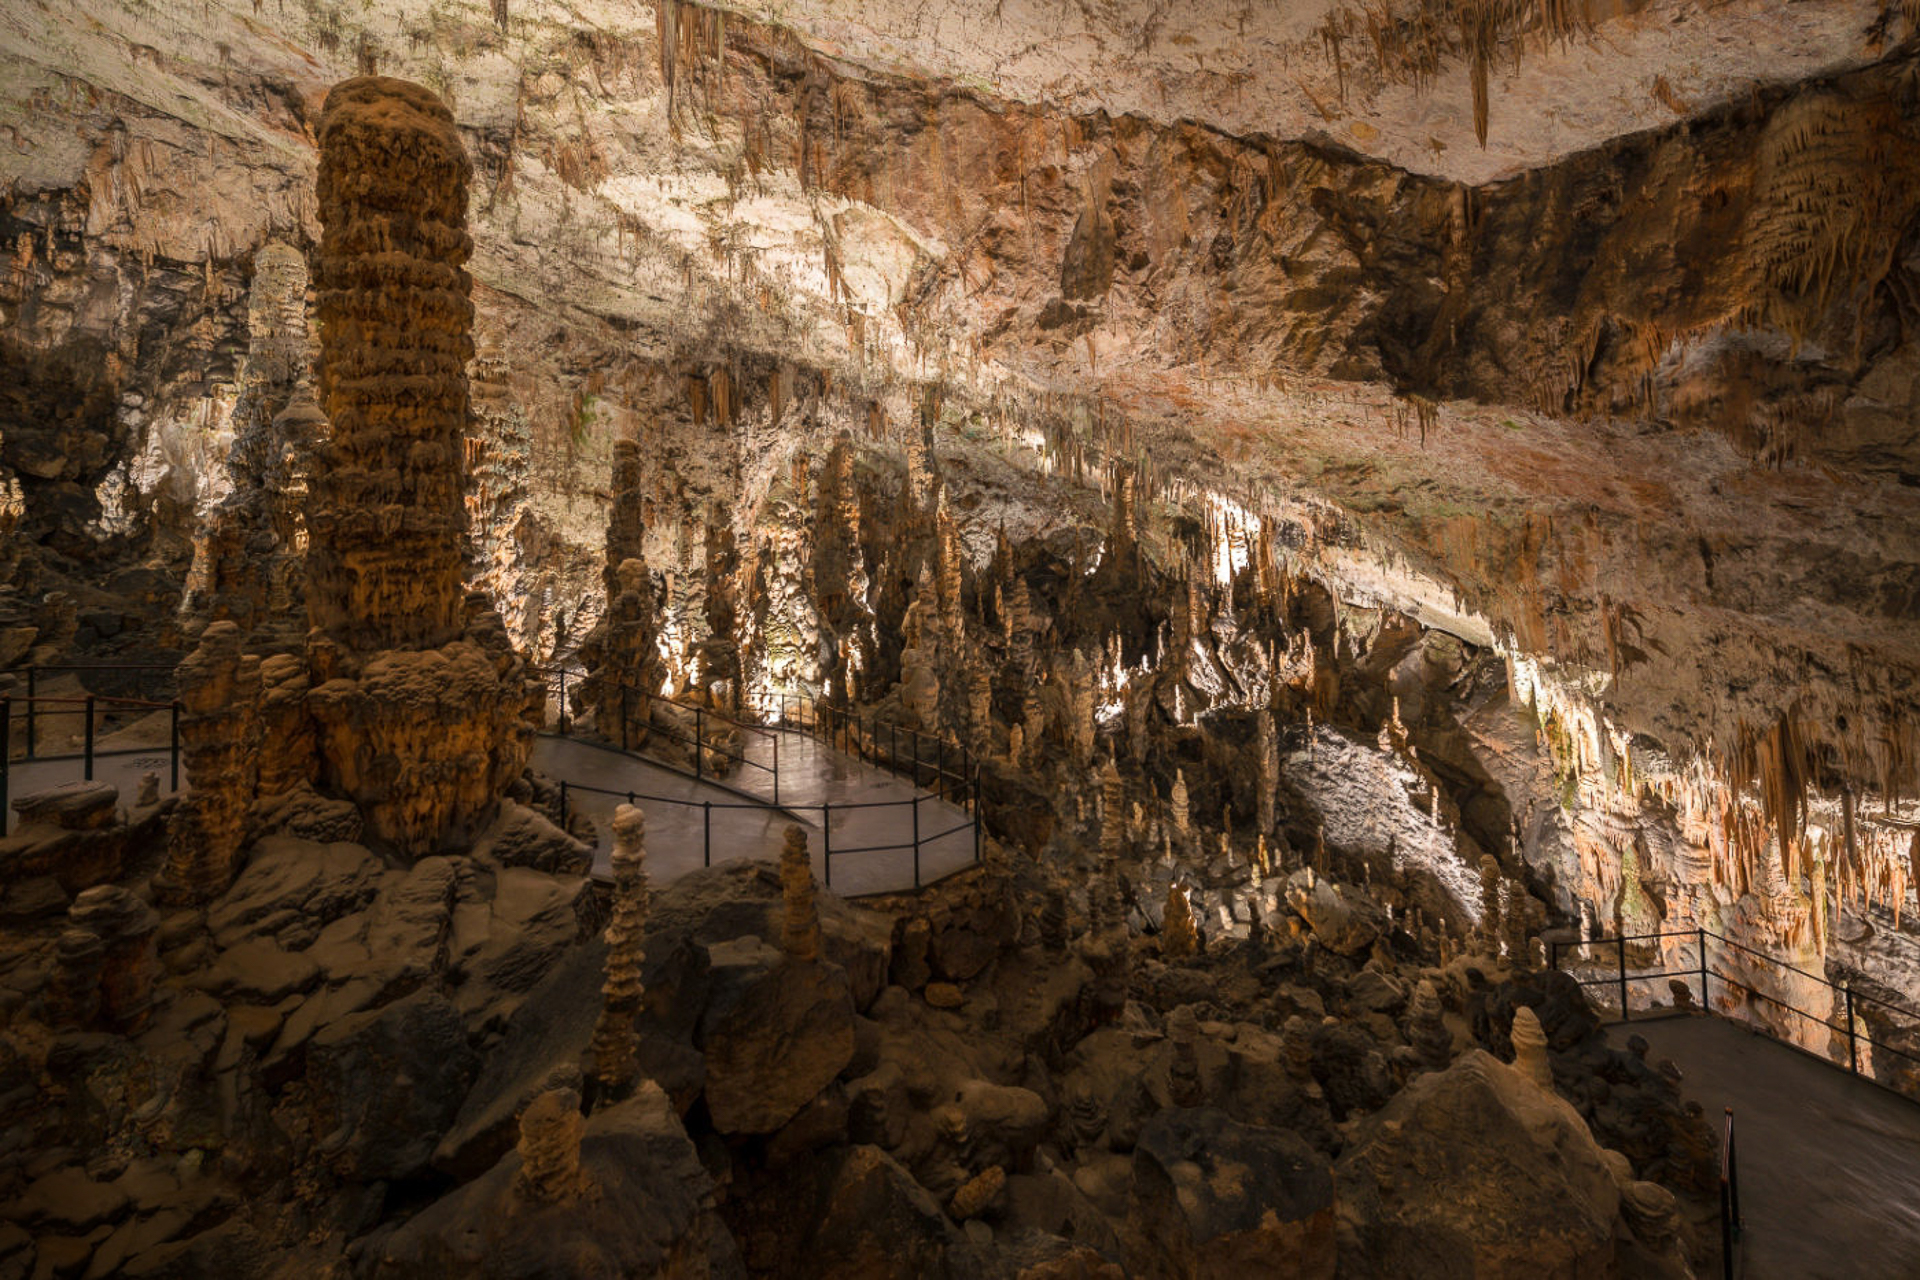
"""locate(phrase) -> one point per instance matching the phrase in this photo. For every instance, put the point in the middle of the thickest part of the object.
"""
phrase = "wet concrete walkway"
(1829, 1164)
(866, 815)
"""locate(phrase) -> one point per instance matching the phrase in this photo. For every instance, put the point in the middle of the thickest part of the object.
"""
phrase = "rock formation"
(217, 752)
(421, 710)
(615, 1041)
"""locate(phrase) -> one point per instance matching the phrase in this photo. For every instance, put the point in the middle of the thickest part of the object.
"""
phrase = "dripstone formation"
(419, 699)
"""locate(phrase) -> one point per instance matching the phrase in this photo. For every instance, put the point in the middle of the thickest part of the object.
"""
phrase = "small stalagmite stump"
(550, 1132)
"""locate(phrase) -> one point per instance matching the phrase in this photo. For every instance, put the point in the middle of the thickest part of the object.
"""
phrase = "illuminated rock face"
(420, 704)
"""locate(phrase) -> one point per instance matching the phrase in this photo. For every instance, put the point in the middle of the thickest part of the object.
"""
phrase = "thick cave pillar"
(421, 704)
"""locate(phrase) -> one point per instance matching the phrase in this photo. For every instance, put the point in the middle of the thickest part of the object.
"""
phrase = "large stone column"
(421, 704)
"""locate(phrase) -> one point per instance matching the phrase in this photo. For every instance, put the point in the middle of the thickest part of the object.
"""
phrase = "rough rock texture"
(650, 1212)
(420, 707)
(216, 724)
(1215, 1198)
(1527, 1194)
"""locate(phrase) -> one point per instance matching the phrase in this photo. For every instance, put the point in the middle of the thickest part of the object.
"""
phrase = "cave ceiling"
(1630, 384)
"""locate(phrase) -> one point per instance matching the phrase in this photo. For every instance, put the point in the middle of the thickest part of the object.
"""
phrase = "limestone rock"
(775, 1034)
(650, 1213)
(1476, 1169)
(1215, 1198)
(387, 1083)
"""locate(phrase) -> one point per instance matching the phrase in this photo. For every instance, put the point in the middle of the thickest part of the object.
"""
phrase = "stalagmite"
(1490, 904)
(1178, 937)
(1184, 1088)
(1426, 1030)
(1269, 747)
(421, 704)
(125, 926)
(550, 1131)
(209, 821)
(1530, 1047)
(615, 1041)
(73, 994)
(800, 928)
(1113, 811)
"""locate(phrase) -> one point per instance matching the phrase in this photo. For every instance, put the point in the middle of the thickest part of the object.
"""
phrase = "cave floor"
(872, 845)
(1829, 1165)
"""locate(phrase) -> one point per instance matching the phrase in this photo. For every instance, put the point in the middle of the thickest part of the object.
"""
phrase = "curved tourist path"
(1829, 1164)
(872, 843)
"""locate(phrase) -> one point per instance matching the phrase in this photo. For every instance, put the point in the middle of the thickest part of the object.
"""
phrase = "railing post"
(699, 743)
(173, 743)
(826, 843)
(1726, 1199)
(32, 710)
(1733, 1174)
(916, 842)
(706, 833)
(1704, 1003)
(776, 770)
(1621, 943)
(89, 750)
(1853, 1040)
(6, 754)
(563, 702)
(977, 819)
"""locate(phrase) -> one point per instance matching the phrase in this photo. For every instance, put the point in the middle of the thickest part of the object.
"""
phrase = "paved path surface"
(873, 843)
(1829, 1165)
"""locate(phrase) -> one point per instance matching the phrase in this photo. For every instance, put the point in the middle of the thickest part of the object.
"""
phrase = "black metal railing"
(1844, 1042)
(916, 839)
(1730, 1222)
(929, 761)
(945, 770)
(701, 743)
(95, 712)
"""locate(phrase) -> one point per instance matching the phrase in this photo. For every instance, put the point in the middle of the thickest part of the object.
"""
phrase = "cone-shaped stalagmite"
(420, 703)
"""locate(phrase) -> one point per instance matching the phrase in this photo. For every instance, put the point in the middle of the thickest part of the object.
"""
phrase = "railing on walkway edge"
(1730, 1223)
(1855, 1029)
(91, 707)
(630, 696)
(950, 775)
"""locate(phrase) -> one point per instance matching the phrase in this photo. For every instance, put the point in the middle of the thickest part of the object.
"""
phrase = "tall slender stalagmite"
(421, 704)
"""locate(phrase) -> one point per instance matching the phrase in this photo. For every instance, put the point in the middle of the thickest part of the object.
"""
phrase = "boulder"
(775, 1033)
(872, 1220)
(1215, 1198)
(1477, 1171)
(549, 1033)
(387, 1083)
(318, 882)
(647, 1210)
